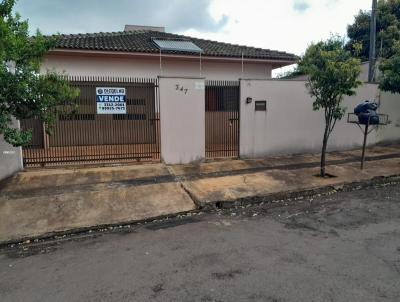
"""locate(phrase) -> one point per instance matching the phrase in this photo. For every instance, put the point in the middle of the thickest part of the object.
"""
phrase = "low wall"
(10, 158)
(390, 104)
(182, 103)
(290, 126)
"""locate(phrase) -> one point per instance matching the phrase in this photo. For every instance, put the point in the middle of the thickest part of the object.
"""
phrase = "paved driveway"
(341, 247)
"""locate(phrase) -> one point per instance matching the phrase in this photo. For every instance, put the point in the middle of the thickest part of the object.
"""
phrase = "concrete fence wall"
(10, 158)
(182, 114)
(290, 126)
(390, 104)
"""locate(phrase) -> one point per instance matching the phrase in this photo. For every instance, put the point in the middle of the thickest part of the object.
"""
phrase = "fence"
(84, 136)
(222, 118)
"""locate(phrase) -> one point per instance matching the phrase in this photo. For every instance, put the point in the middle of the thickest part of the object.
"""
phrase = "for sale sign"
(111, 100)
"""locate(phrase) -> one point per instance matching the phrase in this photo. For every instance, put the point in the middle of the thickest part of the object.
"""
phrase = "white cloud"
(273, 24)
(276, 25)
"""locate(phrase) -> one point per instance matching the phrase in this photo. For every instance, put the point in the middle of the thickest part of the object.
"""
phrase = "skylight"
(174, 45)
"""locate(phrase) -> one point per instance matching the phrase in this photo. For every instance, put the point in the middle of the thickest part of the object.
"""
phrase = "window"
(224, 98)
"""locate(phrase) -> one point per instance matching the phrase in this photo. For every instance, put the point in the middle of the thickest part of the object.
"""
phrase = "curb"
(283, 196)
(277, 198)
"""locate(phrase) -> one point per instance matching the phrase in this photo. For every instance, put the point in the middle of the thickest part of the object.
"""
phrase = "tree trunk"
(323, 152)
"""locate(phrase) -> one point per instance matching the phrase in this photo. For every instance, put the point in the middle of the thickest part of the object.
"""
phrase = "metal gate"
(222, 118)
(84, 137)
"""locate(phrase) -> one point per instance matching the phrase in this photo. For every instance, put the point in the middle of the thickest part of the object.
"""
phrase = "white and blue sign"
(111, 100)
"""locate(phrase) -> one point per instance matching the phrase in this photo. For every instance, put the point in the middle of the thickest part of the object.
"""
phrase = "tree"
(387, 29)
(390, 68)
(332, 73)
(24, 93)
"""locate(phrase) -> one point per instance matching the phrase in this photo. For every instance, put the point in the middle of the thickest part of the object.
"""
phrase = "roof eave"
(87, 52)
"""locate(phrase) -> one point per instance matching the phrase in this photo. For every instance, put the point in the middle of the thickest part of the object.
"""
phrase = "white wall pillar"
(182, 114)
(10, 157)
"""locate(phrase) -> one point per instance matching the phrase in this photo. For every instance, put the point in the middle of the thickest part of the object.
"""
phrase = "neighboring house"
(149, 52)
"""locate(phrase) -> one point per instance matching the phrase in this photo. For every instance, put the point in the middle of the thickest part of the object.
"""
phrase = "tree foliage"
(390, 68)
(387, 30)
(332, 73)
(24, 93)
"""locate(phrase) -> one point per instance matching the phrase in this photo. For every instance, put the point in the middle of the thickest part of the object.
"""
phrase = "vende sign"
(110, 100)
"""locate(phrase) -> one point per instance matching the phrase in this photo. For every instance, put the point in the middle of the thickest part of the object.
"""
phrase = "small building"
(141, 51)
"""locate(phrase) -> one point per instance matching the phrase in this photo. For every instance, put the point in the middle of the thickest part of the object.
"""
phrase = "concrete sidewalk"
(46, 202)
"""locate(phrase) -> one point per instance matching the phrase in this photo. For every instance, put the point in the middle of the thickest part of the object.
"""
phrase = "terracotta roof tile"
(142, 41)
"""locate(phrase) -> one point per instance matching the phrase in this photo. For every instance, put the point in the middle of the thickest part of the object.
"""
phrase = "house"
(141, 51)
(163, 81)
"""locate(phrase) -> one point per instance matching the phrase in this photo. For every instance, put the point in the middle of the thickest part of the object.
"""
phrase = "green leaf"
(27, 94)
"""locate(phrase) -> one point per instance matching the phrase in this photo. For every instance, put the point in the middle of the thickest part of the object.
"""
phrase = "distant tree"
(24, 93)
(387, 28)
(390, 68)
(290, 74)
(332, 73)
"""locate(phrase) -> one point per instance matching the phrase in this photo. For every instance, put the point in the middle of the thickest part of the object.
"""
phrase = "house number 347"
(181, 88)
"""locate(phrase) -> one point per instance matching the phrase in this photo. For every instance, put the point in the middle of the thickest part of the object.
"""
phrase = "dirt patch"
(231, 274)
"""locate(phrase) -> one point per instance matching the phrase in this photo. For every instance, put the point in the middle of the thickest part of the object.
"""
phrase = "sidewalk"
(46, 202)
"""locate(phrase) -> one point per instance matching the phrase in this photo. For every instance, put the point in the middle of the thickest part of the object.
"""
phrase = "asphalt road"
(340, 247)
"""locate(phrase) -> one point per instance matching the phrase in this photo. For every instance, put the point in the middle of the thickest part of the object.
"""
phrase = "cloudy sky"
(288, 25)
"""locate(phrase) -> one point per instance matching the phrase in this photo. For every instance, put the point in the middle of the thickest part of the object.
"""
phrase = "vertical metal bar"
(158, 119)
(228, 102)
(238, 103)
(223, 116)
(364, 145)
(206, 117)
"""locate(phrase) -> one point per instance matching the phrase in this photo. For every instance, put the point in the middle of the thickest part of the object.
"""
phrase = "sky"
(286, 25)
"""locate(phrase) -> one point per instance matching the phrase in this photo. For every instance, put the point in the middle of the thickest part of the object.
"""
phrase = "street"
(343, 246)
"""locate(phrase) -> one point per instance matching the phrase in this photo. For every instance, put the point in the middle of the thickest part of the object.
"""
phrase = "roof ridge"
(106, 33)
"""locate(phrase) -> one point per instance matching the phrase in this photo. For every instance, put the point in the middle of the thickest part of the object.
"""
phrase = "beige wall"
(150, 67)
(290, 126)
(182, 120)
(10, 158)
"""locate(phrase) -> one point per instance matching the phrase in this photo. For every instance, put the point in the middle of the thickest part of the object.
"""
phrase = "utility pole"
(372, 43)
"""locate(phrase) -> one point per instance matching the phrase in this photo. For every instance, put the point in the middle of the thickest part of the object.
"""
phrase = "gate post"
(182, 110)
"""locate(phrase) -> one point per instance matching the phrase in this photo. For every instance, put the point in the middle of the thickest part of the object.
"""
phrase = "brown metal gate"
(85, 137)
(222, 118)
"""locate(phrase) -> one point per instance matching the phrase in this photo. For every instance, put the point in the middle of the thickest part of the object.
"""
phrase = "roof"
(142, 41)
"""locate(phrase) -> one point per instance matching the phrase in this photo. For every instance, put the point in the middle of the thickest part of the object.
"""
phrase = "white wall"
(150, 68)
(182, 120)
(390, 104)
(290, 125)
(10, 158)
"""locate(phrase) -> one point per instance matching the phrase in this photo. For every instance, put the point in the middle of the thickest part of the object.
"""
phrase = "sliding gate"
(222, 118)
(83, 136)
